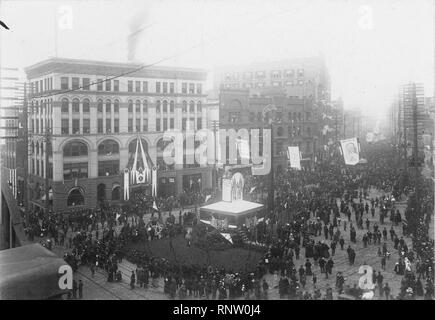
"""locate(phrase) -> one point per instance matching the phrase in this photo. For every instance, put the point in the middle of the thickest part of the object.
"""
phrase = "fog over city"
(370, 47)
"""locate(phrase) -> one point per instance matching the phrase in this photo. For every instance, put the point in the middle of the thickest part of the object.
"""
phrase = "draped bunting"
(138, 174)
(126, 185)
(154, 182)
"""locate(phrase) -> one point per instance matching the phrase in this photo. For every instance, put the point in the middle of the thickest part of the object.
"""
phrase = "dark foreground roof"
(29, 272)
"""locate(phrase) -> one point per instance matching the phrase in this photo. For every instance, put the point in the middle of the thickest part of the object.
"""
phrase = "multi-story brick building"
(93, 112)
(296, 121)
(297, 87)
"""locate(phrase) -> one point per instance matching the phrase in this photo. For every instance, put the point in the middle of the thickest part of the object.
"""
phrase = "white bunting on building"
(126, 184)
(154, 182)
(294, 156)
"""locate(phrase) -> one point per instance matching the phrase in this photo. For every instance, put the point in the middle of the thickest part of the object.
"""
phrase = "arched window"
(132, 150)
(76, 106)
(100, 106)
(132, 146)
(37, 147)
(184, 106)
(108, 108)
(116, 106)
(191, 107)
(65, 105)
(199, 106)
(158, 103)
(165, 106)
(161, 145)
(116, 192)
(76, 197)
(137, 107)
(101, 192)
(171, 106)
(75, 149)
(145, 106)
(130, 106)
(108, 147)
(86, 106)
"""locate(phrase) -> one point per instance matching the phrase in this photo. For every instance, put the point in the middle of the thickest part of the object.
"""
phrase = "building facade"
(297, 78)
(92, 114)
(296, 122)
(13, 146)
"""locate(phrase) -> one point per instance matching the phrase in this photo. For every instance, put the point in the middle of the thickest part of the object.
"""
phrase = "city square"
(196, 173)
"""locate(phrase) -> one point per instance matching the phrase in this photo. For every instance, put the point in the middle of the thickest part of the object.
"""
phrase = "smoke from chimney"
(136, 27)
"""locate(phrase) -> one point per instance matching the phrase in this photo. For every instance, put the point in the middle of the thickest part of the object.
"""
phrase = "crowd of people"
(313, 211)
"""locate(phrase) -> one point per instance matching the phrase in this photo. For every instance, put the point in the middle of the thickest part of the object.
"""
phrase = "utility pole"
(26, 160)
(415, 147)
(47, 140)
(215, 127)
(271, 192)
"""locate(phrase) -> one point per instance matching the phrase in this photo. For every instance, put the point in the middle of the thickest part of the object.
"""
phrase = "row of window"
(160, 105)
(234, 117)
(274, 74)
(132, 86)
(248, 85)
(39, 168)
(41, 85)
(162, 124)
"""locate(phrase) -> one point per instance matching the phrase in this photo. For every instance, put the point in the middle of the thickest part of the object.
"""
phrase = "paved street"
(97, 287)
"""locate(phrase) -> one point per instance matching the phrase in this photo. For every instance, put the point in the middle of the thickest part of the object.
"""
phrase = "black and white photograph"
(218, 155)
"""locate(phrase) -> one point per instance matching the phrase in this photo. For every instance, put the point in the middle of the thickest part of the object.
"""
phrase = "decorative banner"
(140, 175)
(155, 206)
(226, 190)
(350, 151)
(237, 185)
(154, 182)
(126, 184)
(295, 157)
(243, 148)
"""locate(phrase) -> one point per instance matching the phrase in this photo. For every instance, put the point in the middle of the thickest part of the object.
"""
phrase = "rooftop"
(106, 68)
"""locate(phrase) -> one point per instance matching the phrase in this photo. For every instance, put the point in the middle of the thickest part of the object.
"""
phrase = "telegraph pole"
(415, 142)
(47, 140)
(271, 192)
(215, 126)
(26, 160)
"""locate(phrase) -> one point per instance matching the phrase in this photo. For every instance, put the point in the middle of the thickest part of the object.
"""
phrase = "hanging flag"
(350, 151)
(243, 149)
(252, 189)
(154, 182)
(295, 157)
(126, 184)
(208, 197)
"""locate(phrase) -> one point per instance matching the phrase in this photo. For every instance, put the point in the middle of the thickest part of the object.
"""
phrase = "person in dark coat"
(308, 270)
(74, 289)
(80, 289)
(341, 241)
(322, 264)
(132, 279)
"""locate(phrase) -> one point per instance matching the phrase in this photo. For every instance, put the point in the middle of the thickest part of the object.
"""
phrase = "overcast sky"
(370, 47)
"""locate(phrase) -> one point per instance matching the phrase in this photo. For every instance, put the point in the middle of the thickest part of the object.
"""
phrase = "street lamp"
(271, 194)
